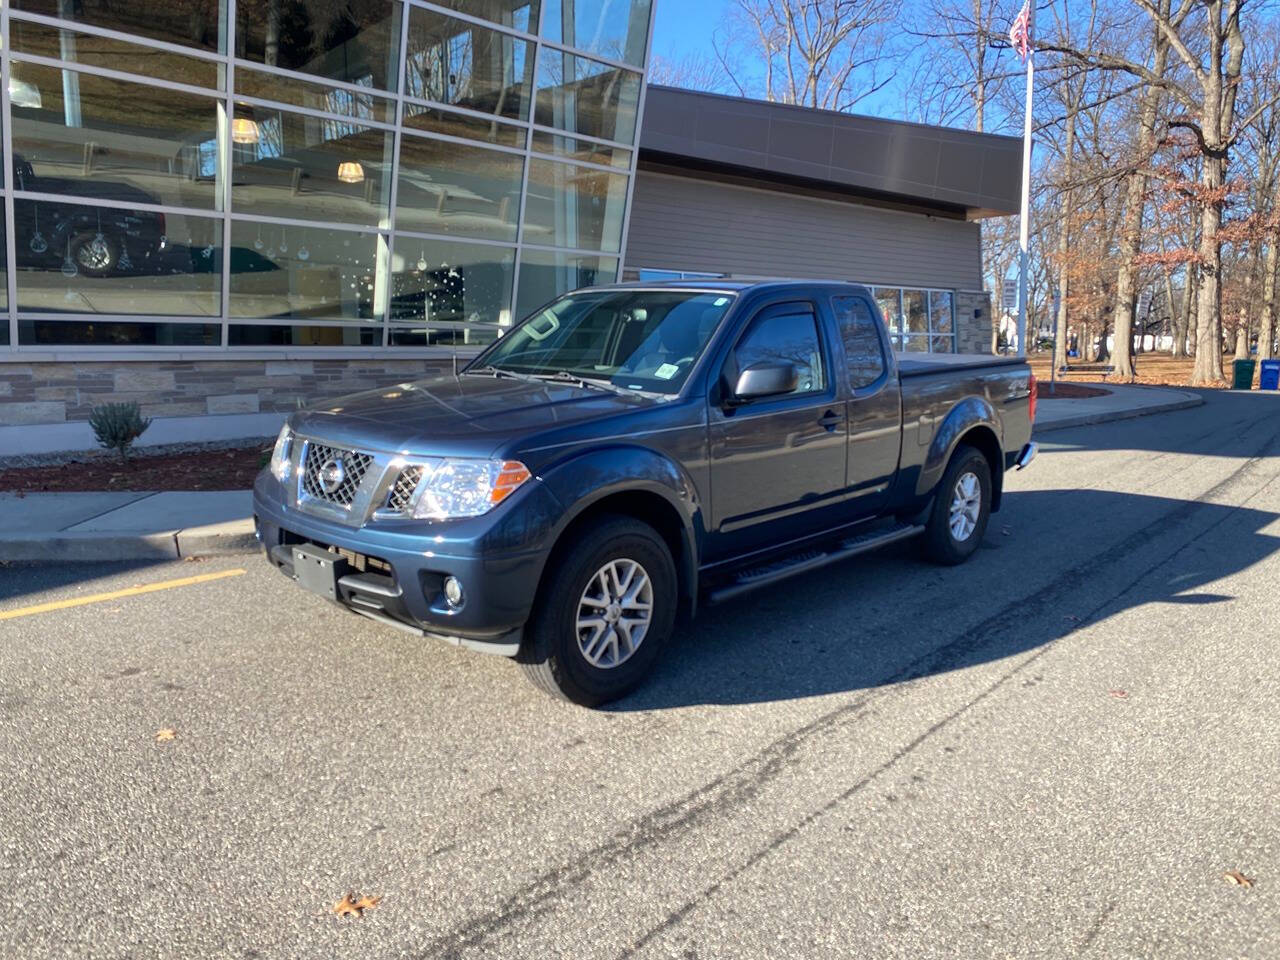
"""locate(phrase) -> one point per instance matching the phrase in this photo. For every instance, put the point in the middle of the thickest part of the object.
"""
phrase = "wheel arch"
(640, 484)
(972, 422)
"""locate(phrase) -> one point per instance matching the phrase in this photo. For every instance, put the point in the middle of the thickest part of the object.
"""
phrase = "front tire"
(604, 614)
(961, 508)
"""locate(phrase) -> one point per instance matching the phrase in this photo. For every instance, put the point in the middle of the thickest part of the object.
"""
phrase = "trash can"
(1244, 375)
(1269, 378)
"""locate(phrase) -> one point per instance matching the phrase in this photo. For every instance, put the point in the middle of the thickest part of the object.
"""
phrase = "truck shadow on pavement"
(18, 579)
(891, 617)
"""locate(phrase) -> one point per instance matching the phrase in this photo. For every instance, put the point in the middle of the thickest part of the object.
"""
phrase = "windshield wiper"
(488, 370)
(606, 385)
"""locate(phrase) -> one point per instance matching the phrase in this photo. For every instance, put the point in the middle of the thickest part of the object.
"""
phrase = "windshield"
(633, 339)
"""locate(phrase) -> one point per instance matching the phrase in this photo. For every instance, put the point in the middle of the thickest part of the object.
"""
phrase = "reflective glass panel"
(916, 344)
(356, 104)
(256, 335)
(451, 124)
(4, 285)
(292, 165)
(357, 41)
(465, 335)
(545, 275)
(304, 273)
(78, 134)
(459, 190)
(940, 311)
(915, 311)
(617, 29)
(576, 207)
(192, 23)
(584, 150)
(582, 96)
(82, 259)
(887, 298)
(76, 47)
(118, 333)
(459, 63)
(443, 281)
(517, 14)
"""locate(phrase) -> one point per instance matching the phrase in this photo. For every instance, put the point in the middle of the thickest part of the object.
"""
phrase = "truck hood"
(470, 415)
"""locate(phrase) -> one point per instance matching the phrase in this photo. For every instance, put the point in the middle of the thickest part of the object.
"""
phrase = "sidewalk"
(66, 527)
(1122, 403)
(125, 526)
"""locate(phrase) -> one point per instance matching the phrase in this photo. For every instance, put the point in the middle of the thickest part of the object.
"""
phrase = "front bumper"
(395, 573)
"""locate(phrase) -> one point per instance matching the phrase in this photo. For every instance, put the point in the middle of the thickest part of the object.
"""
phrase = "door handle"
(830, 420)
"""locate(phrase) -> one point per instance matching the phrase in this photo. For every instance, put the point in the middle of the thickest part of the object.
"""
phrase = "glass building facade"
(230, 174)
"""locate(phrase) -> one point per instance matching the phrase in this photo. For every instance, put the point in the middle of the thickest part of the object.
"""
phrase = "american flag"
(1020, 32)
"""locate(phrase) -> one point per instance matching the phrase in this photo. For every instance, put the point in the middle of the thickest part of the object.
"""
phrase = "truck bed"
(923, 364)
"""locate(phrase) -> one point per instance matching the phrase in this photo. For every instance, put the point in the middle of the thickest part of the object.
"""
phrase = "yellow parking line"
(116, 594)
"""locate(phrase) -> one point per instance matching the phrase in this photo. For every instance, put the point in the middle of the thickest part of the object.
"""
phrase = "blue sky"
(685, 26)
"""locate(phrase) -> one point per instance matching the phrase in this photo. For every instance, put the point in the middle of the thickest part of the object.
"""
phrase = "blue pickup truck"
(630, 452)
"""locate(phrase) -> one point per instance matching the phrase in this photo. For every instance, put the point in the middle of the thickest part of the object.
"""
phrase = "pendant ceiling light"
(350, 172)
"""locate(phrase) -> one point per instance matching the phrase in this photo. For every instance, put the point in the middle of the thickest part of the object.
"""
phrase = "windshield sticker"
(666, 371)
(720, 301)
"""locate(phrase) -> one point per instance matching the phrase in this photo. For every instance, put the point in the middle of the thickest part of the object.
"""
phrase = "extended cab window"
(862, 348)
(788, 337)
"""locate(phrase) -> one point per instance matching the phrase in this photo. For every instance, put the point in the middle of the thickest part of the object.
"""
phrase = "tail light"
(1031, 402)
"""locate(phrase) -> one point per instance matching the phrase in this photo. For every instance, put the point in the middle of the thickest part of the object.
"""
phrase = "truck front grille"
(400, 499)
(333, 475)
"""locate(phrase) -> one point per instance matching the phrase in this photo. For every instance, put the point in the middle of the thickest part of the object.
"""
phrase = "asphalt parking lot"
(1056, 750)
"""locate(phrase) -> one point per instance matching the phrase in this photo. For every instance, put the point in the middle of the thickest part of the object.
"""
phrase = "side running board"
(811, 560)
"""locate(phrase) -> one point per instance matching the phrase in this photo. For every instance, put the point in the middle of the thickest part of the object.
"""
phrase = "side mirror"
(766, 379)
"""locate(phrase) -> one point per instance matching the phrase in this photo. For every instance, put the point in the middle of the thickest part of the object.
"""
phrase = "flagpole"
(1024, 214)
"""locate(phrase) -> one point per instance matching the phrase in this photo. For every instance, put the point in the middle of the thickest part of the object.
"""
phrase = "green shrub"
(117, 425)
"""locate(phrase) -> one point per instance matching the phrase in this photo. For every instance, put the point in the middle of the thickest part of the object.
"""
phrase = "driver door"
(775, 459)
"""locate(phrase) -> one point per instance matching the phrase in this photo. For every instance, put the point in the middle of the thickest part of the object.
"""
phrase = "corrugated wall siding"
(680, 223)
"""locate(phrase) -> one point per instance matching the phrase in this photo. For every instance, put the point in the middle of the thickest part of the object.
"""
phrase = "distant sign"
(1010, 294)
(1144, 303)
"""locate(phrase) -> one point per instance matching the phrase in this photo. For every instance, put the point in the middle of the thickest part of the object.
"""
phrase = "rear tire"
(961, 508)
(603, 615)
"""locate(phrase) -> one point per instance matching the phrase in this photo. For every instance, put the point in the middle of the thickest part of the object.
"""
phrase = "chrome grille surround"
(332, 475)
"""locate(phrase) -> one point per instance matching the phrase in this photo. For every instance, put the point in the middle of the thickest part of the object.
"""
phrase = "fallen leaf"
(351, 906)
(1237, 879)
(165, 735)
(1119, 694)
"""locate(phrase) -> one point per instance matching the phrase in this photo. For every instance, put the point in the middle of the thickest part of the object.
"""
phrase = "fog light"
(453, 591)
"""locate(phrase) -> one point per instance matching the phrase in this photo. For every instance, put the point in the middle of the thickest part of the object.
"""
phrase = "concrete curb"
(215, 540)
(1088, 419)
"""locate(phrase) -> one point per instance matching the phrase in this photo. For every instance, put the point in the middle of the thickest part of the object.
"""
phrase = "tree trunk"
(1064, 245)
(1208, 368)
(1242, 335)
(1267, 316)
(1135, 207)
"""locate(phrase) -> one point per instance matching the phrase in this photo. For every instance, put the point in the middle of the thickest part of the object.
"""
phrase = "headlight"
(280, 465)
(468, 488)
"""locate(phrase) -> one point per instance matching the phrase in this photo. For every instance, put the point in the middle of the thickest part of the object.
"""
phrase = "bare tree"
(827, 54)
(1205, 89)
(1135, 201)
(692, 72)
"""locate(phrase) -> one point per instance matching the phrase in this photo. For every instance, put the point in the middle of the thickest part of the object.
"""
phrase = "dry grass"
(1154, 369)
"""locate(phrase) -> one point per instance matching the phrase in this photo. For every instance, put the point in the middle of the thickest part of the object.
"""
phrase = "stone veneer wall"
(47, 393)
(973, 334)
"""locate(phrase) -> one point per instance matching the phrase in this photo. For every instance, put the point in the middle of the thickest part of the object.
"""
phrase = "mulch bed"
(195, 470)
(1067, 391)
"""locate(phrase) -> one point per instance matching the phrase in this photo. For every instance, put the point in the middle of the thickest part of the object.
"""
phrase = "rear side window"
(862, 347)
(790, 337)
